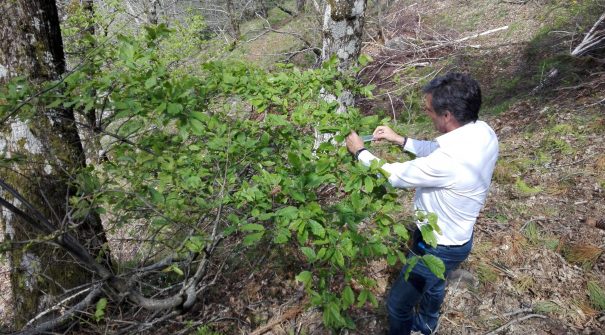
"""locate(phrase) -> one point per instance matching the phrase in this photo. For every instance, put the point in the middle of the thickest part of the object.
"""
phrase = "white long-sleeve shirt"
(451, 176)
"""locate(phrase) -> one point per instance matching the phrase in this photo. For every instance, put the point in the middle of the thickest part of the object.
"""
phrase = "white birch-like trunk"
(343, 30)
(342, 36)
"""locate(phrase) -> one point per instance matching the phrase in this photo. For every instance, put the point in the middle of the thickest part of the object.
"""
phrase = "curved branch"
(78, 308)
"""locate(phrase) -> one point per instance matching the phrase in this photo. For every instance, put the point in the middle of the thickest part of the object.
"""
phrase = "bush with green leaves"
(229, 154)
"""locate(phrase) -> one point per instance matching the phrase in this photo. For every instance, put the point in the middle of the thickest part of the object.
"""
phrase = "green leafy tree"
(219, 161)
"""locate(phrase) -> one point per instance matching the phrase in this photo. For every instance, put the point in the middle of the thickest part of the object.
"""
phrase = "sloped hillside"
(537, 266)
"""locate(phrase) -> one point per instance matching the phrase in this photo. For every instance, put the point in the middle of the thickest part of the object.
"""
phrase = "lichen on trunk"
(343, 30)
(50, 153)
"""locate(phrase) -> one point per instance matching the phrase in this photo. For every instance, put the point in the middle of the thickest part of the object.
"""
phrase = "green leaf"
(156, 197)
(195, 243)
(368, 184)
(332, 316)
(252, 227)
(199, 116)
(282, 235)
(174, 108)
(100, 309)
(253, 238)
(289, 212)
(174, 268)
(338, 258)
(435, 265)
(197, 126)
(411, 263)
(348, 297)
(149, 83)
(310, 253)
(364, 59)
(321, 253)
(304, 277)
(362, 297)
(401, 231)
(428, 235)
(54, 104)
(294, 159)
(432, 218)
(317, 229)
(391, 259)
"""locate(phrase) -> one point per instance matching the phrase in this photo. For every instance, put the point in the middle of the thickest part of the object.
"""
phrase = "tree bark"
(153, 12)
(300, 6)
(593, 40)
(233, 20)
(51, 151)
(343, 30)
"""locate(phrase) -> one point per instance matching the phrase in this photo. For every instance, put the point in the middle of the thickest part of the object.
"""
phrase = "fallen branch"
(509, 314)
(512, 322)
(594, 39)
(78, 308)
(285, 10)
(287, 315)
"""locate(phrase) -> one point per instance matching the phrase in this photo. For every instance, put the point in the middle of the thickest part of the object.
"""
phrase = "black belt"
(454, 246)
(420, 242)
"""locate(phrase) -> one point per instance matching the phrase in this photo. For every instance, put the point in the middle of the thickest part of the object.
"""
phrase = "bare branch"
(78, 308)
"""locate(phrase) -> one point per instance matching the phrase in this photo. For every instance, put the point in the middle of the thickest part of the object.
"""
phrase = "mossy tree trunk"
(50, 149)
(343, 30)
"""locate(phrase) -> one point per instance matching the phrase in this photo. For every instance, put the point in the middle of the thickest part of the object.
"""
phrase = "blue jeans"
(422, 291)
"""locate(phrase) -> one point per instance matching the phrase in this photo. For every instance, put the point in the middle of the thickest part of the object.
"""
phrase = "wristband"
(405, 140)
(358, 152)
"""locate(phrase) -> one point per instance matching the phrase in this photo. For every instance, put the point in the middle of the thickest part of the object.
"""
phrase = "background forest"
(177, 166)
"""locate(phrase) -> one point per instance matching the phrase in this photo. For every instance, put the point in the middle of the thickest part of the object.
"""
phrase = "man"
(451, 176)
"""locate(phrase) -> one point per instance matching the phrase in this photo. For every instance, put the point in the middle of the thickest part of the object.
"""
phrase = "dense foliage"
(228, 154)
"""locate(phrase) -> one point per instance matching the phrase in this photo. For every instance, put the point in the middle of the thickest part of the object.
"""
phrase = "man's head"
(452, 100)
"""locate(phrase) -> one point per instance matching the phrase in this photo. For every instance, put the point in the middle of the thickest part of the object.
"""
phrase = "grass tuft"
(532, 233)
(525, 190)
(582, 254)
(547, 307)
(596, 294)
(486, 274)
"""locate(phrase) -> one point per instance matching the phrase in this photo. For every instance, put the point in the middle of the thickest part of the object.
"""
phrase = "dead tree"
(594, 39)
(51, 152)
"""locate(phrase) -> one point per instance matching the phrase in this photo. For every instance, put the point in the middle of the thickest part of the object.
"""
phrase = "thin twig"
(509, 314)
(510, 323)
(392, 108)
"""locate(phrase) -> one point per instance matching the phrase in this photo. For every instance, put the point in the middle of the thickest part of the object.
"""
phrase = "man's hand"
(386, 133)
(354, 142)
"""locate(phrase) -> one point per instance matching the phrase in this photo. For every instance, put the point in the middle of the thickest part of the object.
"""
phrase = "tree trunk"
(50, 149)
(153, 12)
(342, 33)
(233, 20)
(261, 8)
(343, 30)
(300, 6)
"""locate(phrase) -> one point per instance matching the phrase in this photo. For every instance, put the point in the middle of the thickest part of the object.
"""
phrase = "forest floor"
(535, 260)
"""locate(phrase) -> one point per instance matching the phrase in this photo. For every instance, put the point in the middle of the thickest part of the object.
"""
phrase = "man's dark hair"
(457, 93)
